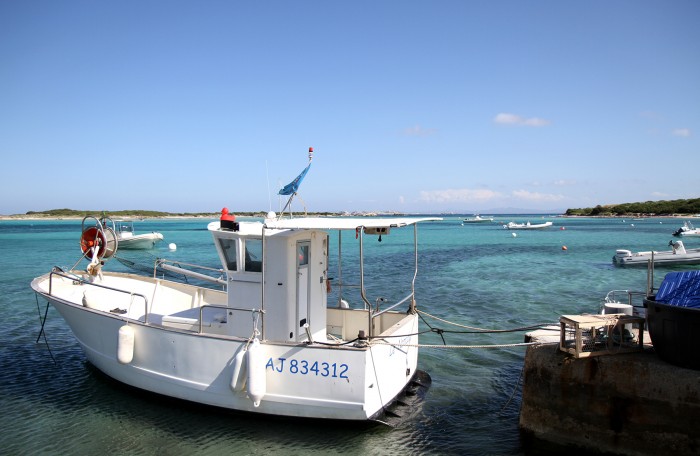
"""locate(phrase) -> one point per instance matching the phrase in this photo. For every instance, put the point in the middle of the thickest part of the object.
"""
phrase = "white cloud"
(684, 132)
(536, 196)
(458, 195)
(467, 195)
(514, 119)
(563, 182)
(417, 130)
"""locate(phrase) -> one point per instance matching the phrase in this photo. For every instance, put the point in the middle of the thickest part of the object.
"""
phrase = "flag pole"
(292, 188)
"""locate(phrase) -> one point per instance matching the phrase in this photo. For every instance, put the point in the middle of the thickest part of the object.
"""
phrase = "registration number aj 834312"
(304, 367)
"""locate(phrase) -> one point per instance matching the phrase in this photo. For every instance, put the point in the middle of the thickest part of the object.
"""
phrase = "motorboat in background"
(687, 230)
(526, 226)
(626, 302)
(478, 219)
(677, 255)
(127, 238)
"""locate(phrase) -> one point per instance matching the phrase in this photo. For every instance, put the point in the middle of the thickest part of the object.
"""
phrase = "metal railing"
(162, 263)
(411, 296)
(219, 306)
(82, 281)
(76, 278)
(378, 312)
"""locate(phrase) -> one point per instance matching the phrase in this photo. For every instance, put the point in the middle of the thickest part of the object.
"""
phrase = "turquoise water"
(54, 402)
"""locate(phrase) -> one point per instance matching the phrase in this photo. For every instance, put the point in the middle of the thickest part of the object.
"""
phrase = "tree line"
(672, 207)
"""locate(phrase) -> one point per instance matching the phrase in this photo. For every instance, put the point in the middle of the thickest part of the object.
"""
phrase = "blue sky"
(413, 106)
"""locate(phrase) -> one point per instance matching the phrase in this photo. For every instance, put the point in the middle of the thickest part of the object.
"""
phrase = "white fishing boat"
(677, 255)
(687, 230)
(478, 219)
(267, 340)
(526, 226)
(128, 239)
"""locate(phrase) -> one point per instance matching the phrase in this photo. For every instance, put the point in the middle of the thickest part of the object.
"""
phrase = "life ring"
(90, 238)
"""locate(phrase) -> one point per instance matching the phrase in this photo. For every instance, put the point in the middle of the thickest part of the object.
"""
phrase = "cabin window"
(228, 246)
(253, 255)
(303, 254)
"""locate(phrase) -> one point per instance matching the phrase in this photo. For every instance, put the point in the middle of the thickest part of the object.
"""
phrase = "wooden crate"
(595, 335)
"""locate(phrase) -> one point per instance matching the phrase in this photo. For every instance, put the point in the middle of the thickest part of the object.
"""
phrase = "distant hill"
(138, 213)
(125, 213)
(673, 207)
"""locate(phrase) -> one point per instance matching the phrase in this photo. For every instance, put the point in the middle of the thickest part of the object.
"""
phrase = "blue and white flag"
(293, 186)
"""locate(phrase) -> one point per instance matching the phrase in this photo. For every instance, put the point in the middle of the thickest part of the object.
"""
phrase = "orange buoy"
(563, 247)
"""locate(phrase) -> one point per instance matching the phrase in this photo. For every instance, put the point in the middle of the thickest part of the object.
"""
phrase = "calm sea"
(54, 402)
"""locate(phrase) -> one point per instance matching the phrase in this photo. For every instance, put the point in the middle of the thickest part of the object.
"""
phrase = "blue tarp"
(680, 289)
(293, 186)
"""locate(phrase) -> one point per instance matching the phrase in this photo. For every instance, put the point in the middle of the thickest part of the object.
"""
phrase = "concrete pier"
(628, 403)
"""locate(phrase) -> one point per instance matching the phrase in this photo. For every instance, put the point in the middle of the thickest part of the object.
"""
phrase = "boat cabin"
(294, 264)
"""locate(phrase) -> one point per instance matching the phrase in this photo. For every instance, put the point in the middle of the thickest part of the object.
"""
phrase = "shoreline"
(131, 218)
(19, 217)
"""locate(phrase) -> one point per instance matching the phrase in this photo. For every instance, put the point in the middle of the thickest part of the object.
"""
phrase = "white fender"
(257, 380)
(125, 345)
(87, 302)
(239, 370)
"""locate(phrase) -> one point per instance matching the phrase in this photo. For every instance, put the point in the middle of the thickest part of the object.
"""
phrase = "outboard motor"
(677, 246)
(621, 254)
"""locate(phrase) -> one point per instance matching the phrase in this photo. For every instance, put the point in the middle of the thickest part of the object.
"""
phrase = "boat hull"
(527, 226)
(478, 219)
(140, 241)
(675, 333)
(627, 258)
(300, 380)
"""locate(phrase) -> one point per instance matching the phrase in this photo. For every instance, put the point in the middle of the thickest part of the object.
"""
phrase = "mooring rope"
(522, 344)
(524, 328)
(42, 332)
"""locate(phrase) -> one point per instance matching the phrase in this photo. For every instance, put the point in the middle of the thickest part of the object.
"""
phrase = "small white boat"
(626, 302)
(678, 255)
(266, 341)
(127, 238)
(478, 219)
(687, 230)
(526, 226)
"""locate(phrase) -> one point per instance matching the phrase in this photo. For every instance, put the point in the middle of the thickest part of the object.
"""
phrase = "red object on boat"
(228, 221)
(225, 215)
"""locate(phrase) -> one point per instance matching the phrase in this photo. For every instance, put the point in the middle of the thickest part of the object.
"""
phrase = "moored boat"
(526, 226)
(687, 230)
(677, 255)
(261, 339)
(126, 236)
(478, 219)
(628, 302)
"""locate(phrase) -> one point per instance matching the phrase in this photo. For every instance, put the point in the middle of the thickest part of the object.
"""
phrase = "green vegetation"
(126, 213)
(673, 207)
